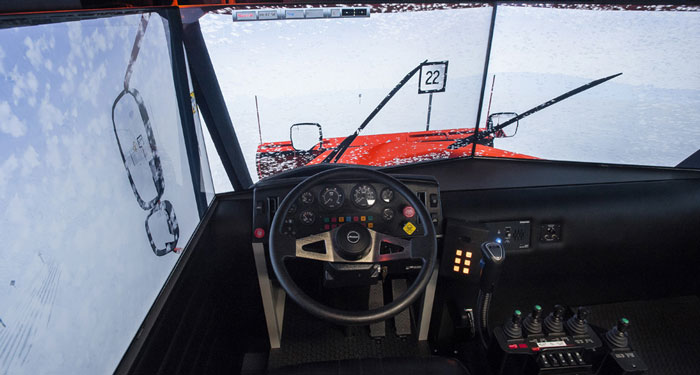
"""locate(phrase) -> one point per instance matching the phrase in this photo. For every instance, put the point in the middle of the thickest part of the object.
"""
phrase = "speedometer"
(364, 195)
(332, 197)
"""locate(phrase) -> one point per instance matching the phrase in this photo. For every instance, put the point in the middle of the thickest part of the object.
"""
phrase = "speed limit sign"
(433, 77)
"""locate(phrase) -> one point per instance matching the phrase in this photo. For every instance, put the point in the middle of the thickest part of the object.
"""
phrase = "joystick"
(554, 322)
(617, 335)
(577, 324)
(513, 327)
(533, 322)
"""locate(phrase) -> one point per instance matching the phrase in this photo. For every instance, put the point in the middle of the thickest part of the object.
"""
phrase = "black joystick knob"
(577, 324)
(554, 322)
(533, 322)
(617, 335)
(513, 327)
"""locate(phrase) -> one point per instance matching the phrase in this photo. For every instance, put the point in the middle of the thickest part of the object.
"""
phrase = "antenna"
(257, 111)
(488, 110)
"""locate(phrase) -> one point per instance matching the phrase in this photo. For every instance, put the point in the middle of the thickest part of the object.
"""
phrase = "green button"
(517, 312)
(370, 218)
(326, 220)
(538, 307)
(625, 321)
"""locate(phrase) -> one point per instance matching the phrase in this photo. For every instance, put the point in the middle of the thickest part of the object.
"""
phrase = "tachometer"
(364, 195)
(332, 197)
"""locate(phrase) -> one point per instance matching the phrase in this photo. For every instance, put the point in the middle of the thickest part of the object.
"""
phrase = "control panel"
(561, 343)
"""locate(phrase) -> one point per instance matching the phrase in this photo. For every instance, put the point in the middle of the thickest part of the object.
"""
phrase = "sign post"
(433, 78)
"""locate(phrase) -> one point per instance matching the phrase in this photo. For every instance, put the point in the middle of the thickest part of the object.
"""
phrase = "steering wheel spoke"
(316, 246)
(422, 246)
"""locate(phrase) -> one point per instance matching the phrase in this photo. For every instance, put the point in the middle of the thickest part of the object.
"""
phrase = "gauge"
(307, 197)
(332, 197)
(387, 195)
(307, 217)
(388, 214)
(364, 195)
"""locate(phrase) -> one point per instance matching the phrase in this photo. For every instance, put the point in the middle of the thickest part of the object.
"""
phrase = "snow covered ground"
(316, 70)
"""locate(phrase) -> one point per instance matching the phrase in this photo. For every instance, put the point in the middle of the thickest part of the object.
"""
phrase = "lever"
(577, 324)
(533, 322)
(617, 335)
(554, 322)
(492, 256)
(513, 327)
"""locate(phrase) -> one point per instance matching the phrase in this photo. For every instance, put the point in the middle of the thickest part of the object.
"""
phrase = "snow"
(315, 71)
(77, 273)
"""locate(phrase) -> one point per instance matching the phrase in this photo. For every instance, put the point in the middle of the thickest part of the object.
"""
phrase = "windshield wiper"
(335, 155)
(487, 132)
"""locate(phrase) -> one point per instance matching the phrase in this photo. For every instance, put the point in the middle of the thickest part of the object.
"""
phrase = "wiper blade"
(487, 132)
(335, 155)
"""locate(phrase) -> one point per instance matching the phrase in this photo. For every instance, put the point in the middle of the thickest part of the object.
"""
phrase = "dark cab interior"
(617, 241)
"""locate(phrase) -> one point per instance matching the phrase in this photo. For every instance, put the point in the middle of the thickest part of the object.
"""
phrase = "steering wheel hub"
(352, 241)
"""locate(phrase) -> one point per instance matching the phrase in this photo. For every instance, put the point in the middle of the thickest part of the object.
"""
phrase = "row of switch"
(342, 219)
(561, 359)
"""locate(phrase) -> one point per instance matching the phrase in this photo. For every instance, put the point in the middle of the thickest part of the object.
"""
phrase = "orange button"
(458, 253)
(458, 261)
(370, 225)
(465, 271)
(467, 262)
(455, 268)
(468, 254)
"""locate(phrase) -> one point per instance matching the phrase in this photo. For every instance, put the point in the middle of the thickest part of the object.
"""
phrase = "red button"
(409, 212)
(334, 226)
(259, 233)
(536, 349)
(326, 227)
(513, 346)
(522, 346)
(334, 219)
(355, 218)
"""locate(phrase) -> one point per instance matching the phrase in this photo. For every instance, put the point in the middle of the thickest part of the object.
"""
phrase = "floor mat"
(666, 333)
(307, 339)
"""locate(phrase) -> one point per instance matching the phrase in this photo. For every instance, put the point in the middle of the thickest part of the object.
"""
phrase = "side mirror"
(304, 136)
(498, 118)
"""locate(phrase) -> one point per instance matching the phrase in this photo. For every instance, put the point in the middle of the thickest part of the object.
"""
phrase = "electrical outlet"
(550, 233)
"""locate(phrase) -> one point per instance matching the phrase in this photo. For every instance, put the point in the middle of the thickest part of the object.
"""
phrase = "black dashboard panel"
(327, 206)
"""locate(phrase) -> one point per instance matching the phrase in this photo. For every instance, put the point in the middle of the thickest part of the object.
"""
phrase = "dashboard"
(329, 205)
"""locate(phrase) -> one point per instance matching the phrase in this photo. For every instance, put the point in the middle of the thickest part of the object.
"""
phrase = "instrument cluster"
(329, 205)
(374, 206)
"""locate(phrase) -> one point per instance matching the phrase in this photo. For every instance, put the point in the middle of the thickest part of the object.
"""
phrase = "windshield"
(335, 71)
(391, 84)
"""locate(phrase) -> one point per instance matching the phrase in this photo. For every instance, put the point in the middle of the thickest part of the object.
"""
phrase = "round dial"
(307, 197)
(364, 195)
(307, 217)
(388, 214)
(332, 197)
(387, 195)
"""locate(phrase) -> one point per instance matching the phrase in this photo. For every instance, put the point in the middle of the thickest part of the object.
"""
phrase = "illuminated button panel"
(462, 262)
(332, 222)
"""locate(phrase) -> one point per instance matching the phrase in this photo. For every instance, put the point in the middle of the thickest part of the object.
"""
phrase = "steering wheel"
(353, 243)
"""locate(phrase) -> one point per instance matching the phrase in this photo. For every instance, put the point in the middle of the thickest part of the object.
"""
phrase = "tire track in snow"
(37, 305)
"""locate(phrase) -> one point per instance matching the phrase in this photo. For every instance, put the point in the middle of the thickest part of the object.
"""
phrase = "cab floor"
(307, 339)
(665, 333)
